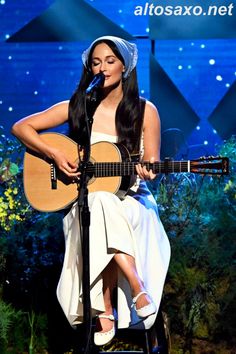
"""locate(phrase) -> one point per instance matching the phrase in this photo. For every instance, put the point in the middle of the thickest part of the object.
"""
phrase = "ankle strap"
(108, 317)
(137, 296)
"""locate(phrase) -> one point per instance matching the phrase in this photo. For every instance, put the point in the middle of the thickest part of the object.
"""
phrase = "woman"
(129, 249)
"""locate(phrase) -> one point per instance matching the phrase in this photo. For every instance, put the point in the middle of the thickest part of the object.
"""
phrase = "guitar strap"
(136, 154)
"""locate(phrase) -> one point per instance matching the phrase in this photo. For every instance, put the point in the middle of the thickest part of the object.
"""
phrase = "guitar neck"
(104, 169)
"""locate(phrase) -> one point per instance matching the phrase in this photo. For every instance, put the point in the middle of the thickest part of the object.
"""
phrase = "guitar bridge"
(53, 174)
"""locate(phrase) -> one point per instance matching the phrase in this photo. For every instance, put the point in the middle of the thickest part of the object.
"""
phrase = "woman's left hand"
(144, 173)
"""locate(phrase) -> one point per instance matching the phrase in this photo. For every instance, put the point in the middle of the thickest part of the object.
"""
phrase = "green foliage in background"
(199, 215)
(30, 245)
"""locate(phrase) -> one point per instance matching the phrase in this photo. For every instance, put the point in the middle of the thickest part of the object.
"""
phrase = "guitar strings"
(128, 168)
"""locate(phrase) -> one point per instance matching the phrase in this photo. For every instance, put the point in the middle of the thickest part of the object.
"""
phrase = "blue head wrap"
(128, 51)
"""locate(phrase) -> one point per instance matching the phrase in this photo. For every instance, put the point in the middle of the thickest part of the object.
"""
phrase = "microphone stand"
(84, 217)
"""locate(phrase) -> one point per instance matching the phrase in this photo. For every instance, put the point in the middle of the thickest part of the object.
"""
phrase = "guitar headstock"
(211, 165)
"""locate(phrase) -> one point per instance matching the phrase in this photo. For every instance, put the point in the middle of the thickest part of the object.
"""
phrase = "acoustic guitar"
(110, 169)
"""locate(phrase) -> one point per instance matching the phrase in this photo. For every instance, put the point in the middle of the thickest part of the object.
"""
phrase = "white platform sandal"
(102, 338)
(144, 311)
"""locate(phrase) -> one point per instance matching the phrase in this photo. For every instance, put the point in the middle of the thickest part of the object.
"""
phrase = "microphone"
(97, 81)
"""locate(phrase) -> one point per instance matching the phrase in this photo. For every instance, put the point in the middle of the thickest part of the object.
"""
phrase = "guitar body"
(37, 174)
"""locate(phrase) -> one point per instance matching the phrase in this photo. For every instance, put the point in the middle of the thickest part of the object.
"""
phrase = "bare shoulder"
(62, 104)
(53, 116)
(59, 107)
(48, 118)
(150, 106)
(151, 115)
(151, 132)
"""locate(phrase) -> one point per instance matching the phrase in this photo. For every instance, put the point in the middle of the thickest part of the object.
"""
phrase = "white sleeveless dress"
(131, 225)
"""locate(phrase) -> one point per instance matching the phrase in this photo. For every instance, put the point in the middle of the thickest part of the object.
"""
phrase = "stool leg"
(147, 349)
(161, 334)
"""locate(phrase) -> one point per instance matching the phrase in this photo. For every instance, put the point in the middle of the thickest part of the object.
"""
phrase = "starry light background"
(35, 75)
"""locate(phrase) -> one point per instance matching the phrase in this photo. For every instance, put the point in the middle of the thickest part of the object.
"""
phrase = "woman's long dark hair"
(128, 118)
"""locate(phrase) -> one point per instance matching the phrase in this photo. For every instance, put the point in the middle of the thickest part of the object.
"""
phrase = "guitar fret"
(109, 167)
(116, 169)
(113, 168)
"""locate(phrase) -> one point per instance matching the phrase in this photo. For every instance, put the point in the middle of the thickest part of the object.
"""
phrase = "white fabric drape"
(131, 225)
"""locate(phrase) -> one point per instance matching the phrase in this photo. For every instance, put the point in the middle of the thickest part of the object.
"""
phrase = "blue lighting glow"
(37, 75)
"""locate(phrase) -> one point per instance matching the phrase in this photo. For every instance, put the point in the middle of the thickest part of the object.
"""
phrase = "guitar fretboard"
(105, 169)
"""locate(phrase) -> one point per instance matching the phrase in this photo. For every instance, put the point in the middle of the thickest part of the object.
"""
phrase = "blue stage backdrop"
(187, 57)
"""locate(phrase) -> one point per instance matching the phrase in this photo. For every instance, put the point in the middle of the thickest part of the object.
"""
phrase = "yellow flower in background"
(230, 189)
(228, 186)
(12, 209)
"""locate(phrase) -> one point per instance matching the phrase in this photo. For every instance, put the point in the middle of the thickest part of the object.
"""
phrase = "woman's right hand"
(66, 166)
